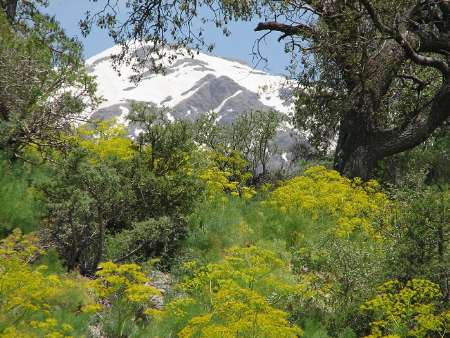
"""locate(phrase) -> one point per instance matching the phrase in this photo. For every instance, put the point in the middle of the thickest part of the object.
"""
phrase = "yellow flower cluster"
(322, 192)
(240, 312)
(29, 297)
(407, 310)
(227, 173)
(107, 139)
(123, 282)
(20, 247)
(243, 296)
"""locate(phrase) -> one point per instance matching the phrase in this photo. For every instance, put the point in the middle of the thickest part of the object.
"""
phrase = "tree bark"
(359, 147)
(353, 155)
(10, 8)
(361, 140)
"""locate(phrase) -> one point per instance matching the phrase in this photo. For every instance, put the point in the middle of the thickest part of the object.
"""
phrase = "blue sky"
(238, 45)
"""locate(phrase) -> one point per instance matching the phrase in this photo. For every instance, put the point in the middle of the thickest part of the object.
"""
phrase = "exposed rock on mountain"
(193, 86)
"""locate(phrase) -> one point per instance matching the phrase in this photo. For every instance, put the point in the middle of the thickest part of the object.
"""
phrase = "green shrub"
(148, 239)
(422, 234)
(408, 309)
(19, 203)
(33, 301)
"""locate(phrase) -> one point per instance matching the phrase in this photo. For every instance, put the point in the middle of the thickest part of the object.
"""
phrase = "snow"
(219, 108)
(122, 119)
(179, 82)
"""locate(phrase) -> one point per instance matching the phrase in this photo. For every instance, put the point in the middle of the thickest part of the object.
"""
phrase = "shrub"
(243, 295)
(19, 203)
(343, 251)
(148, 239)
(124, 298)
(407, 310)
(84, 201)
(251, 135)
(105, 139)
(226, 174)
(321, 192)
(422, 235)
(34, 303)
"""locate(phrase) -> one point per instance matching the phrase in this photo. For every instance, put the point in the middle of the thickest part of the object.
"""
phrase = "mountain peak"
(190, 86)
(194, 86)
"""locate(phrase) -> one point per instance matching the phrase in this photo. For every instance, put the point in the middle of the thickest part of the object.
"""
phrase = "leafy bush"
(124, 298)
(84, 200)
(34, 303)
(321, 192)
(151, 238)
(340, 274)
(407, 310)
(245, 294)
(422, 233)
(19, 202)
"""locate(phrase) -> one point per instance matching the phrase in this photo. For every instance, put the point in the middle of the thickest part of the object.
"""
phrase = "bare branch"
(287, 30)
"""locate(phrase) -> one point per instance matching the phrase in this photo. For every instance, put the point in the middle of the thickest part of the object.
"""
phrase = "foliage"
(19, 202)
(338, 274)
(106, 184)
(243, 295)
(353, 204)
(226, 173)
(421, 229)
(245, 260)
(250, 136)
(124, 298)
(32, 302)
(407, 310)
(105, 139)
(44, 85)
(167, 144)
(341, 253)
(150, 238)
(335, 273)
(83, 201)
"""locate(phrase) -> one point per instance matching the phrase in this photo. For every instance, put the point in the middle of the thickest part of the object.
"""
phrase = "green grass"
(216, 225)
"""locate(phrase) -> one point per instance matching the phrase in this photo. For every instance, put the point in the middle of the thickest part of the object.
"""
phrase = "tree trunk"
(360, 144)
(354, 156)
(10, 8)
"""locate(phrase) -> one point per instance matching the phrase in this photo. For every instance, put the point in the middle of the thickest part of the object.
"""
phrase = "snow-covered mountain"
(192, 86)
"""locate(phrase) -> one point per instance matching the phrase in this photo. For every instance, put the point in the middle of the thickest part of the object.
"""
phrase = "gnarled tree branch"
(403, 41)
(287, 30)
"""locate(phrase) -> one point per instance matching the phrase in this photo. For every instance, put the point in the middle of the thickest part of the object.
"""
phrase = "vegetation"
(36, 302)
(374, 73)
(186, 231)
